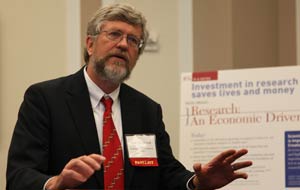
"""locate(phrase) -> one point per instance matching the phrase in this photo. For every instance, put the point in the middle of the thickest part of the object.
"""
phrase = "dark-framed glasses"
(117, 36)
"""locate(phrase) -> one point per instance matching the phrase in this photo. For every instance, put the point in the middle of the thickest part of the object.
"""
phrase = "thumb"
(198, 173)
(197, 168)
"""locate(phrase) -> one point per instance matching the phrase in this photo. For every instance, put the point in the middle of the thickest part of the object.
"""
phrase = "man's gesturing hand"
(220, 171)
(76, 171)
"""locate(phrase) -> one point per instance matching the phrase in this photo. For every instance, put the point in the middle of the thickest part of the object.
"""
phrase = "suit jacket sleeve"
(28, 153)
(55, 124)
(173, 173)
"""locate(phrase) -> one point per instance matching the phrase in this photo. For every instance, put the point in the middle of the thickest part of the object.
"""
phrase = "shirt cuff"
(189, 183)
(44, 187)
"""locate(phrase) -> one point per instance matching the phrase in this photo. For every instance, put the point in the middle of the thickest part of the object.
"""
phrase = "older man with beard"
(89, 130)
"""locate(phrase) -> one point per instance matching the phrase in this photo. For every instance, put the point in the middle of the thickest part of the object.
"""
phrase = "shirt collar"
(97, 93)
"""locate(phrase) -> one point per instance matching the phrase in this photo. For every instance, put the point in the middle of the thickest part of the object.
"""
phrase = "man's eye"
(115, 34)
(133, 40)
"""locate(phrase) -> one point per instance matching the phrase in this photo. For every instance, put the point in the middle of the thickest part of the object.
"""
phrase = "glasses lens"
(116, 35)
(133, 41)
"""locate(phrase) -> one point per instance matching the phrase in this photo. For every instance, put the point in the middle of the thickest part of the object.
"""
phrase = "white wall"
(32, 48)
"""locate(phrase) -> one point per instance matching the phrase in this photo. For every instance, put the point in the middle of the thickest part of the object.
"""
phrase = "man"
(66, 125)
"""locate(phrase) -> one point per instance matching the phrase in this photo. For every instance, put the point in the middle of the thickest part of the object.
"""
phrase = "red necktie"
(112, 150)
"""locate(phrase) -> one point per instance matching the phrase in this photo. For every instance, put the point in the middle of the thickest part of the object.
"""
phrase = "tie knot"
(107, 102)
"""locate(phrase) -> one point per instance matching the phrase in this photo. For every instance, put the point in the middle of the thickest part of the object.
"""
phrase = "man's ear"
(89, 42)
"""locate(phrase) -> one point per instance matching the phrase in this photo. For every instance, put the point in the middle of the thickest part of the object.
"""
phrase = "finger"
(236, 155)
(240, 165)
(99, 158)
(72, 175)
(223, 155)
(92, 161)
(80, 166)
(238, 175)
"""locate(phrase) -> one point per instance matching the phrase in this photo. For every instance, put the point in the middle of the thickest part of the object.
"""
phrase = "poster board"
(257, 109)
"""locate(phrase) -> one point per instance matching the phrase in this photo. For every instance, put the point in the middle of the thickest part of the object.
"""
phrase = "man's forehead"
(122, 26)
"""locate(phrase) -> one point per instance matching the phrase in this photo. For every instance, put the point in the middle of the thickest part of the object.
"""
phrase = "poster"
(257, 109)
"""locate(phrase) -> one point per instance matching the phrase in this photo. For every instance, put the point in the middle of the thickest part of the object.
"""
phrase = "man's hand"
(220, 171)
(76, 171)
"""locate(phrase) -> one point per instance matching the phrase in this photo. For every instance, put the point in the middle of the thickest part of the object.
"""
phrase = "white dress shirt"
(98, 108)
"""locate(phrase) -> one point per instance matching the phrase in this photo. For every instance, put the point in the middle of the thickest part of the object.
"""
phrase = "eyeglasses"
(117, 36)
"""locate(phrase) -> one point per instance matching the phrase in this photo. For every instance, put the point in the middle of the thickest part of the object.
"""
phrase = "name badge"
(142, 150)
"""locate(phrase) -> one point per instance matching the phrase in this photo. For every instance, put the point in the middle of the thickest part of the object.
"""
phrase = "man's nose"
(123, 42)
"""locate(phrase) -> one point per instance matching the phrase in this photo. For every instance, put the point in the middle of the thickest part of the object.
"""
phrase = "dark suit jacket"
(56, 123)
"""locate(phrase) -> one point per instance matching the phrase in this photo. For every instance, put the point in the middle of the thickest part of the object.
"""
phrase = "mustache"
(119, 55)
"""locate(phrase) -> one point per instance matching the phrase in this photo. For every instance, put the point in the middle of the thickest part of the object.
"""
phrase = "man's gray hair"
(117, 12)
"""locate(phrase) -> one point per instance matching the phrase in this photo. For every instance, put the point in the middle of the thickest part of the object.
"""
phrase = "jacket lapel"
(79, 103)
(130, 125)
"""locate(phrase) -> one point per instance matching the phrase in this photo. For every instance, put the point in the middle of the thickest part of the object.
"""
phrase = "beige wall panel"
(212, 34)
(287, 40)
(87, 10)
(32, 48)
(244, 34)
(255, 33)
